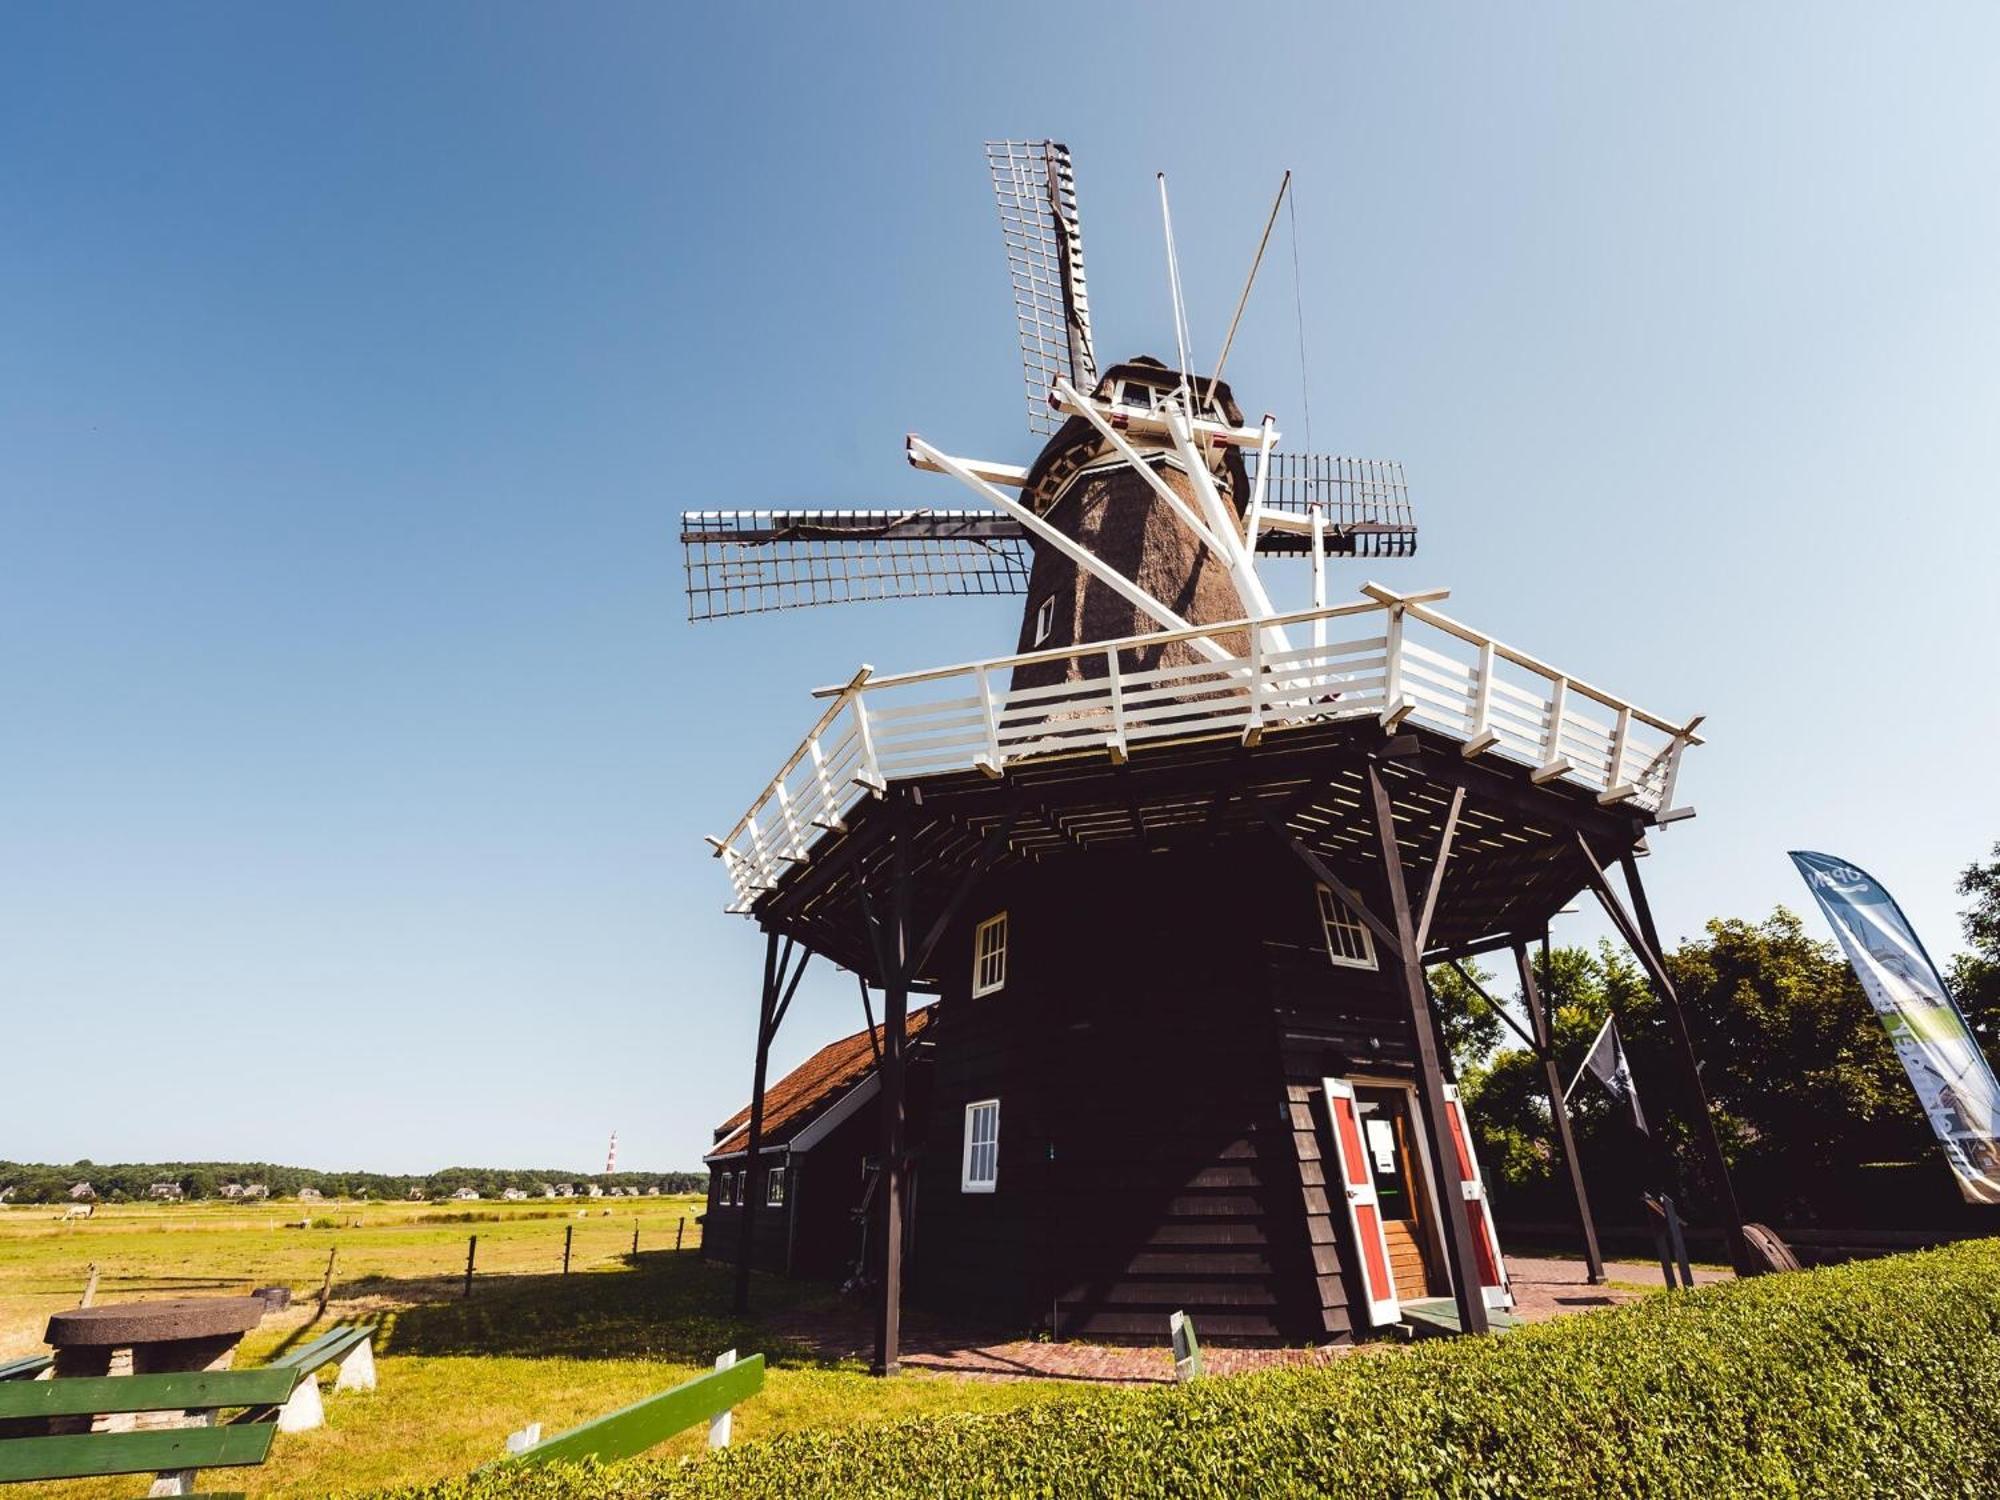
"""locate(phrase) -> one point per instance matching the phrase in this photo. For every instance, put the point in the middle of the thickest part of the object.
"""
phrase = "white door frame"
(1438, 1258)
(1383, 1305)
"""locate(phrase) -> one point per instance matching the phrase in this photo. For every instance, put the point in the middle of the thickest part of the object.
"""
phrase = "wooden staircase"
(1207, 1252)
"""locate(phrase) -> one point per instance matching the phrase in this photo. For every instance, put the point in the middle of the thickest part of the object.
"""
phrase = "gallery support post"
(1538, 1023)
(783, 967)
(1643, 938)
(1467, 1290)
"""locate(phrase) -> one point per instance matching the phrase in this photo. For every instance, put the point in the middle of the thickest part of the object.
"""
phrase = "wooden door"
(1485, 1242)
(1364, 1210)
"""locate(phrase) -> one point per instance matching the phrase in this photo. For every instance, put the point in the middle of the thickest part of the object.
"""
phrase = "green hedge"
(1879, 1378)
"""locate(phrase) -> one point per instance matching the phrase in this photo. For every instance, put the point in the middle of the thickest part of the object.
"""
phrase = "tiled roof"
(810, 1089)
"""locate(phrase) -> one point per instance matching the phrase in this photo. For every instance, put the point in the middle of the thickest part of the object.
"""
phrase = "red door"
(1485, 1242)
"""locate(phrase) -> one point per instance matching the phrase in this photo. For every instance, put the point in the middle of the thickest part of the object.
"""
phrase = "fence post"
(679, 1230)
(569, 1230)
(635, 1236)
(871, 771)
(719, 1427)
(471, 1249)
(90, 1287)
(326, 1285)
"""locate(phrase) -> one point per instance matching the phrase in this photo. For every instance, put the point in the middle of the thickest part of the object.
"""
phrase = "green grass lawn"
(456, 1374)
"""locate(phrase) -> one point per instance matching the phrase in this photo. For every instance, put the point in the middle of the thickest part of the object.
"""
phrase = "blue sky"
(355, 364)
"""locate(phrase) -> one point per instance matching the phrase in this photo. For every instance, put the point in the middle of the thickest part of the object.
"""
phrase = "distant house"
(513, 1195)
(466, 1195)
(165, 1192)
(232, 1190)
(256, 1190)
(546, 1190)
(565, 1190)
(415, 1195)
(311, 1195)
(653, 1192)
(82, 1192)
(593, 1191)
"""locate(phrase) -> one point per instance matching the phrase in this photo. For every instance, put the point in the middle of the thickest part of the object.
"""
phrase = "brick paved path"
(1543, 1288)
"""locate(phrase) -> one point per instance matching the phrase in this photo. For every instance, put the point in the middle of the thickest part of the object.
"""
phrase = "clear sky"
(355, 363)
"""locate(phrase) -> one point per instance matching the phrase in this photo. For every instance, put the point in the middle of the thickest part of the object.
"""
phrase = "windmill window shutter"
(1349, 944)
(980, 1167)
(989, 955)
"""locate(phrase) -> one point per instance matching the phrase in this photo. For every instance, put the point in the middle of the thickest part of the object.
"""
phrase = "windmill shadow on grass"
(662, 1305)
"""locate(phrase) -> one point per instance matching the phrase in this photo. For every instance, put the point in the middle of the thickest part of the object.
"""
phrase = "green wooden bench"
(631, 1430)
(174, 1453)
(350, 1348)
(26, 1368)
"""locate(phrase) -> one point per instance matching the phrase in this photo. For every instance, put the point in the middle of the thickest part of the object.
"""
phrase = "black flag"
(1607, 1063)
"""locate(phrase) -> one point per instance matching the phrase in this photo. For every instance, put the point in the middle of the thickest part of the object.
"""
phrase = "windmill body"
(1173, 871)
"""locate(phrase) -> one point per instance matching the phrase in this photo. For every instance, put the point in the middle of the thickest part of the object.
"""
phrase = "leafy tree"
(1975, 976)
(1471, 1029)
(1801, 1079)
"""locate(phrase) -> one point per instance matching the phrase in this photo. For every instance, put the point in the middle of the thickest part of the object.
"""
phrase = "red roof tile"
(802, 1095)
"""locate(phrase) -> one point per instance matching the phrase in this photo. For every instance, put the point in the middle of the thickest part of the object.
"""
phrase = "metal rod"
(1181, 339)
(471, 1250)
(1249, 281)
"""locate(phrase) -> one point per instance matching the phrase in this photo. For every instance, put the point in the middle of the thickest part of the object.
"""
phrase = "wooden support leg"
(1644, 940)
(1559, 1112)
(895, 1017)
(1465, 1283)
(746, 1223)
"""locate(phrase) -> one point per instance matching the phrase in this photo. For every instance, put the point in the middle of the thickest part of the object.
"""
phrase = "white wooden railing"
(1395, 660)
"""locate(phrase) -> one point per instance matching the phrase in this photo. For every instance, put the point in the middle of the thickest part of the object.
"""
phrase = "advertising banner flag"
(1950, 1074)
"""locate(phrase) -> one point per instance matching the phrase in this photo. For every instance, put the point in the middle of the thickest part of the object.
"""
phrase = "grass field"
(456, 1374)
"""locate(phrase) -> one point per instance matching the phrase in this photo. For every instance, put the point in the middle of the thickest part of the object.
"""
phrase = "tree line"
(115, 1182)
(1818, 1121)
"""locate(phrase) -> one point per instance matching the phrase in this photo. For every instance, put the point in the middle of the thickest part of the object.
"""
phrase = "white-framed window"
(1349, 944)
(722, 1190)
(774, 1187)
(989, 954)
(1137, 393)
(1045, 620)
(735, 1189)
(980, 1171)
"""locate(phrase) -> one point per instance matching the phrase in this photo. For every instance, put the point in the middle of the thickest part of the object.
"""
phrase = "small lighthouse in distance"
(611, 1156)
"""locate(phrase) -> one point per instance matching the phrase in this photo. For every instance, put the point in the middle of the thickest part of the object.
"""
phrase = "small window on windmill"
(980, 1167)
(989, 955)
(1045, 620)
(1349, 944)
(1136, 393)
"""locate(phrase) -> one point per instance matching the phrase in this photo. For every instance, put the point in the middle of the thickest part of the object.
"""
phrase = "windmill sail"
(742, 562)
(1364, 504)
(1036, 189)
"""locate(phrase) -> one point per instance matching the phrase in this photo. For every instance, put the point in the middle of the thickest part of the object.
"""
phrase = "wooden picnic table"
(157, 1337)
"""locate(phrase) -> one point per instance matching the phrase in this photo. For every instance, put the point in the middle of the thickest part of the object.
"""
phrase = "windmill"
(1175, 876)
(1175, 499)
